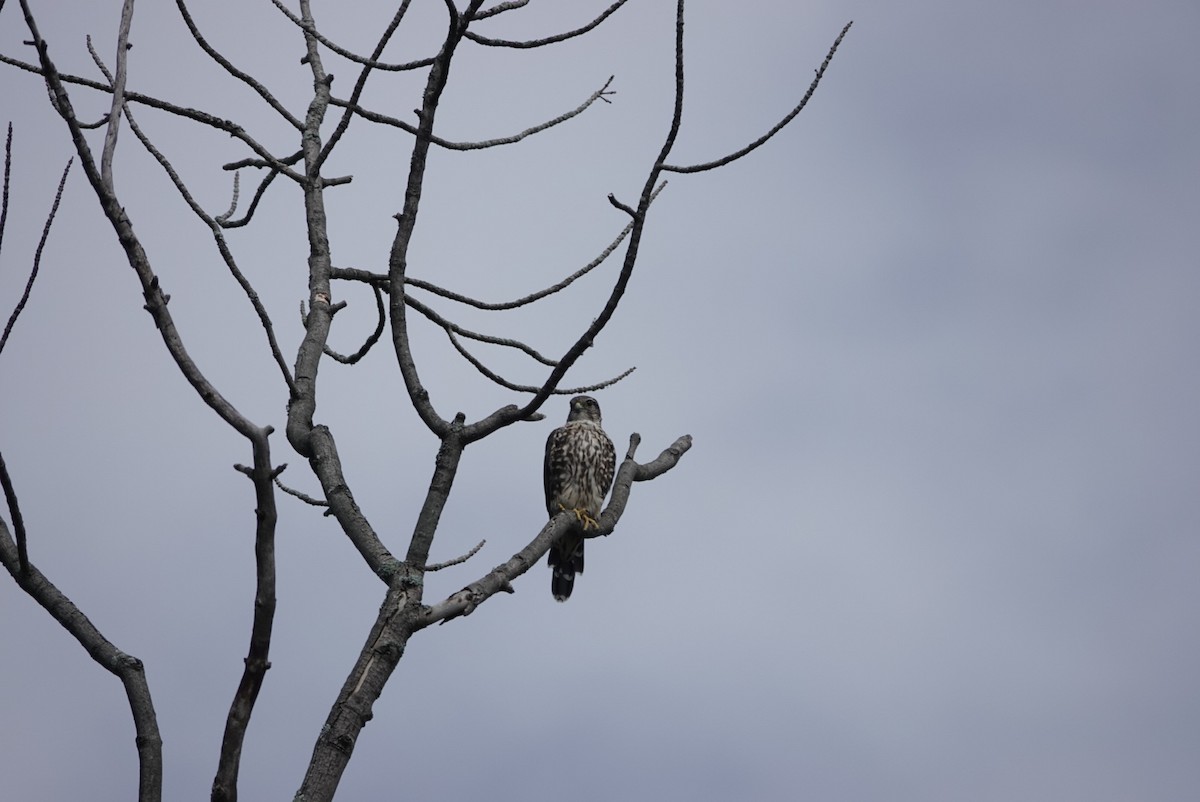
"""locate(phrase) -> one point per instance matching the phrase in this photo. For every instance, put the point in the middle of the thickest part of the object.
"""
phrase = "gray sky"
(938, 535)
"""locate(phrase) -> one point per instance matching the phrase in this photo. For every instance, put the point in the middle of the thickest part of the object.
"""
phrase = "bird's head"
(584, 407)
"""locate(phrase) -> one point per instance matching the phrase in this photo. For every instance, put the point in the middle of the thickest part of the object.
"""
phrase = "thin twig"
(602, 93)
(37, 254)
(7, 178)
(233, 202)
(528, 388)
(359, 85)
(371, 339)
(245, 78)
(454, 328)
(371, 63)
(258, 194)
(617, 204)
(549, 40)
(307, 499)
(456, 560)
(697, 168)
(378, 279)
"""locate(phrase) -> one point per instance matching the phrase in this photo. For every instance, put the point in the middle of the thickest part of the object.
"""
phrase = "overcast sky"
(939, 534)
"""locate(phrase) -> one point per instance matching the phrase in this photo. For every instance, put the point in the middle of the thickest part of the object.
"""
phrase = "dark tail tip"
(562, 583)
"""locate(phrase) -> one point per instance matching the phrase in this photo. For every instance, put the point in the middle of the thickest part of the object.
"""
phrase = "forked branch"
(407, 219)
(369, 62)
(511, 414)
(508, 415)
(215, 228)
(195, 115)
(130, 670)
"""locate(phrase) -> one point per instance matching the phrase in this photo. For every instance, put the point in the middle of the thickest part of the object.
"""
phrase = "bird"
(578, 471)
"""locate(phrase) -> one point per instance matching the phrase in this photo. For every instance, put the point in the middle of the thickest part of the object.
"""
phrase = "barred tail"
(566, 560)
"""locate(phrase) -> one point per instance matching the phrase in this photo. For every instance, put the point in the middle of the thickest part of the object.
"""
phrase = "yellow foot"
(588, 521)
(582, 516)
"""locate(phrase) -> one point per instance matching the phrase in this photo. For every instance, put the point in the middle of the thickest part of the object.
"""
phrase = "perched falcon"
(579, 467)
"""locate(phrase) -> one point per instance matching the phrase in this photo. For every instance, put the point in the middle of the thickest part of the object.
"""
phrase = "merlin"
(579, 467)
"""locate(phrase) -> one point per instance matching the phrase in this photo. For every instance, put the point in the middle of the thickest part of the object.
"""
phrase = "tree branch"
(389, 635)
(500, 8)
(245, 78)
(118, 94)
(233, 201)
(271, 175)
(528, 388)
(372, 338)
(501, 577)
(353, 707)
(327, 466)
(262, 474)
(156, 300)
(506, 416)
(204, 118)
(697, 168)
(214, 227)
(307, 499)
(600, 94)
(549, 40)
(361, 83)
(126, 667)
(457, 560)
(445, 468)
(37, 254)
(7, 179)
(453, 328)
(380, 280)
(18, 520)
(407, 219)
(370, 63)
(150, 756)
(403, 611)
(303, 403)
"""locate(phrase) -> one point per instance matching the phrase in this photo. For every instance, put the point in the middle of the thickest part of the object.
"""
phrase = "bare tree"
(318, 129)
